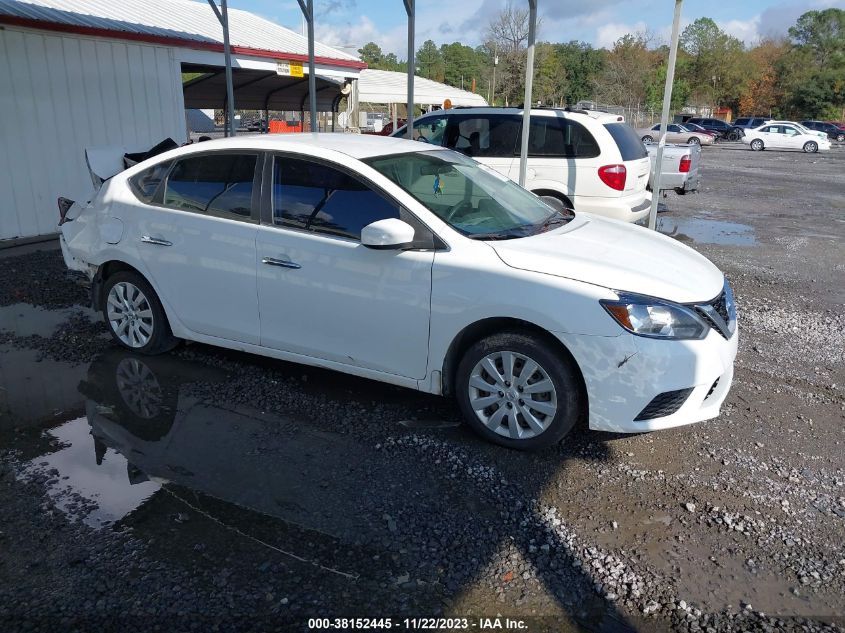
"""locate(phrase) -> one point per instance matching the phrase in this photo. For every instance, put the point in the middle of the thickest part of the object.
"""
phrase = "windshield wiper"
(556, 219)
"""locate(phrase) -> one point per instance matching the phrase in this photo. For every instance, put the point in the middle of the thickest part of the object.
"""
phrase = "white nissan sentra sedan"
(415, 266)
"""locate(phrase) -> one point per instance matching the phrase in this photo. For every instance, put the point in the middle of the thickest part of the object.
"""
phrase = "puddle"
(33, 391)
(144, 436)
(23, 319)
(703, 231)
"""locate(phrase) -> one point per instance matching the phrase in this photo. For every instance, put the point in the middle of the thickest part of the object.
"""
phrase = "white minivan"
(591, 162)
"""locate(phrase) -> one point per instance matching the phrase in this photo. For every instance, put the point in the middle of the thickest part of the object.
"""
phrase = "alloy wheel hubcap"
(130, 314)
(512, 395)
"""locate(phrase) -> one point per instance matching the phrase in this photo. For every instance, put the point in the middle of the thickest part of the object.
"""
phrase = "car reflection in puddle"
(702, 231)
(205, 481)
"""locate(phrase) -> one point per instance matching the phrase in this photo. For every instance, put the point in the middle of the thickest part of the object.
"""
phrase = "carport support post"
(307, 7)
(529, 85)
(664, 117)
(411, 11)
(223, 18)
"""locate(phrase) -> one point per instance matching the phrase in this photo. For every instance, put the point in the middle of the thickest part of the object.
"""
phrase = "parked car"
(582, 160)
(714, 125)
(675, 133)
(413, 265)
(680, 168)
(804, 130)
(697, 128)
(784, 136)
(833, 132)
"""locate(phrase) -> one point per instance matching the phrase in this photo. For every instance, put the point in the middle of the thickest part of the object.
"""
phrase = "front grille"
(664, 404)
(720, 306)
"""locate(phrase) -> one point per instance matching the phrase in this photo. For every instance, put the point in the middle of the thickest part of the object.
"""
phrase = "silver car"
(675, 133)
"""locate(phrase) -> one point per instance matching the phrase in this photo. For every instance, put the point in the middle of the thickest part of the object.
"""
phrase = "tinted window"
(145, 184)
(757, 122)
(673, 128)
(770, 128)
(322, 199)
(488, 135)
(742, 121)
(559, 137)
(629, 144)
(213, 184)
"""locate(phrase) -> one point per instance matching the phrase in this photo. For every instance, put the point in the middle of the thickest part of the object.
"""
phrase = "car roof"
(358, 146)
(595, 115)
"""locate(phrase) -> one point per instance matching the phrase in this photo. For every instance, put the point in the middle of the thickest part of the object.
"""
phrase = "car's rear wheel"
(757, 145)
(840, 137)
(134, 315)
(516, 390)
(811, 147)
(693, 140)
(647, 139)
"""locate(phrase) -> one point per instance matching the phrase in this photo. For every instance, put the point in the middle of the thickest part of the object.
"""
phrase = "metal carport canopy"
(384, 86)
(256, 89)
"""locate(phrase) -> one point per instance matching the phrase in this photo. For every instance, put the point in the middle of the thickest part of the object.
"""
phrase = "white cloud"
(607, 34)
(746, 30)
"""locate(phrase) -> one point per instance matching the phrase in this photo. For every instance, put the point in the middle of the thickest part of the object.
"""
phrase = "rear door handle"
(146, 239)
(284, 263)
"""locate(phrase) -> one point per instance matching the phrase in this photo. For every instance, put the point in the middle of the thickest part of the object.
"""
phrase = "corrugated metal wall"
(60, 94)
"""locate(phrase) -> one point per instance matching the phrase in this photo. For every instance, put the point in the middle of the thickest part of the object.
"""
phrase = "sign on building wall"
(289, 69)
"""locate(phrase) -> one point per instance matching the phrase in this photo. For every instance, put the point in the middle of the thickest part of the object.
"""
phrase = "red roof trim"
(177, 42)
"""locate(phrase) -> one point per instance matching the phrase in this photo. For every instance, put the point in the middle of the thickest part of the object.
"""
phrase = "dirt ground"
(214, 490)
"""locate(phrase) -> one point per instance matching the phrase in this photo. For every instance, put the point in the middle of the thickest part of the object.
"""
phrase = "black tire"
(693, 140)
(840, 138)
(558, 202)
(161, 340)
(757, 145)
(561, 370)
(647, 139)
(811, 147)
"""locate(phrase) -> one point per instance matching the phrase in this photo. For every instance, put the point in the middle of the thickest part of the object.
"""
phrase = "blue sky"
(352, 23)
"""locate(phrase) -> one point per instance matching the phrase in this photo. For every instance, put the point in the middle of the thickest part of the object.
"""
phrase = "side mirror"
(389, 234)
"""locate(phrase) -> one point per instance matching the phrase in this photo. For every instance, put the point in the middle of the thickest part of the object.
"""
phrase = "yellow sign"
(289, 69)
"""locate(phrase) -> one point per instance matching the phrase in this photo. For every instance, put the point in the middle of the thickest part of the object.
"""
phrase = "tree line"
(800, 75)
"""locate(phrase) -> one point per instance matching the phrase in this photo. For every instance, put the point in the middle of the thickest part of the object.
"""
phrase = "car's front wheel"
(694, 140)
(840, 137)
(811, 147)
(516, 390)
(134, 314)
(647, 139)
(757, 145)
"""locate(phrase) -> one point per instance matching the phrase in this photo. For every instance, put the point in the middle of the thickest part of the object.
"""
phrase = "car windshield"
(472, 198)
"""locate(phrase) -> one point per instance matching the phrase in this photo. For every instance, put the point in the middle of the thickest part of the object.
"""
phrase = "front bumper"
(623, 374)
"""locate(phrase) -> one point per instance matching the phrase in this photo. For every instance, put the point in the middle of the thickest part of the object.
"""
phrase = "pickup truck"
(680, 167)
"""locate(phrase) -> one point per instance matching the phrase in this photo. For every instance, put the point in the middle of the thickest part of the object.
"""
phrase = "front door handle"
(146, 239)
(284, 263)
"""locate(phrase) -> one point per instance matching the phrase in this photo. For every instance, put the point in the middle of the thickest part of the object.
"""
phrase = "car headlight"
(655, 318)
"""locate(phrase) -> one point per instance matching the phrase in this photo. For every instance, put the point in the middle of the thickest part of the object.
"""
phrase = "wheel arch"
(543, 191)
(483, 328)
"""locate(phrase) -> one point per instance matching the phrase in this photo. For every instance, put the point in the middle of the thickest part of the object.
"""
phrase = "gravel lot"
(214, 490)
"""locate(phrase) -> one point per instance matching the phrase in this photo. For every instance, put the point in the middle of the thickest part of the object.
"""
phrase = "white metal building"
(82, 73)
(385, 86)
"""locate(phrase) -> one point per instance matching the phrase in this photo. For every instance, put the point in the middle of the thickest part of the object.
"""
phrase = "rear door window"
(556, 137)
(629, 144)
(219, 185)
(314, 197)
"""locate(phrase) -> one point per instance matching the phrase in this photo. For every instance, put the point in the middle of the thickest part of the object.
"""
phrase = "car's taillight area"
(686, 163)
(64, 205)
(614, 176)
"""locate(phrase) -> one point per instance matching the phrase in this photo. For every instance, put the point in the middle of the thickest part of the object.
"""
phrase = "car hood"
(618, 256)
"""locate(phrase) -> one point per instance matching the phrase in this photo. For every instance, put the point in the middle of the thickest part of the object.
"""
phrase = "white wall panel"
(62, 93)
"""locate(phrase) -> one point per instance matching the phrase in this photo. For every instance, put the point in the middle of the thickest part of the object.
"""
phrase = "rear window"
(629, 144)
